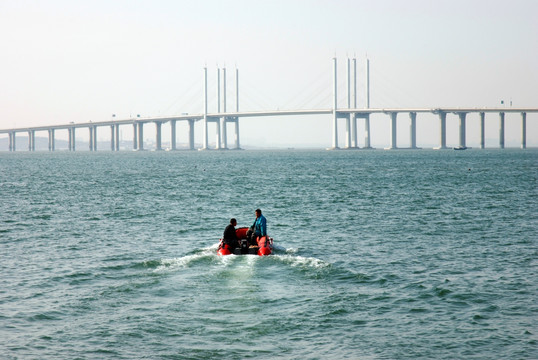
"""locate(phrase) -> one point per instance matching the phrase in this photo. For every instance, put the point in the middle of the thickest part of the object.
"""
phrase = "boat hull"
(264, 247)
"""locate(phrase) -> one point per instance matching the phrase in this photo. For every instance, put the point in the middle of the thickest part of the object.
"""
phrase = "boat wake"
(208, 257)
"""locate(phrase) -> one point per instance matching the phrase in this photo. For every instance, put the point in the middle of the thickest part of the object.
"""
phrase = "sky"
(77, 61)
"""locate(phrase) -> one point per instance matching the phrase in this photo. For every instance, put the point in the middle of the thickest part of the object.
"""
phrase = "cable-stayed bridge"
(223, 118)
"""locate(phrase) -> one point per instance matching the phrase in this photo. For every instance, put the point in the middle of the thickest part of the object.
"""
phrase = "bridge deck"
(245, 114)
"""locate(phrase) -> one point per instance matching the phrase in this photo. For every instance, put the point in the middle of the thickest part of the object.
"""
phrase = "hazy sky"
(77, 61)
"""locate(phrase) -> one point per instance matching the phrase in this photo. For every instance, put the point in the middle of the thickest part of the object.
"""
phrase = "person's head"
(258, 213)
(233, 222)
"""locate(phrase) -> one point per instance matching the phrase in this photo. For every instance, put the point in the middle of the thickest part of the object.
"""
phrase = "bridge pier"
(73, 142)
(31, 140)
(95, 138)
(354, 143)
(482, 131)
(217, 134)
(12, 141)
(224, 141)
(51, 140)
(348, 132)
(236, 134)
(191, 134)
(462, 129)
(140, 136)
(135, 136)
(117, 133)
(442, 124)
(235, 122)
(158, 140)
(523, 130)
(393, 130)
(173, 134)
(227, 120)
(367, 144)
(112, 138)
(413, 130)
(501, 130)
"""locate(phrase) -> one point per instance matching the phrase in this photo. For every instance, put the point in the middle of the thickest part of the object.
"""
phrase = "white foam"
(174, 263)
(185, 261)
(247, 262)
(301, 261)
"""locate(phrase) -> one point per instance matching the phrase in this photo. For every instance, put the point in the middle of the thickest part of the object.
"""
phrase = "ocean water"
(379, 255)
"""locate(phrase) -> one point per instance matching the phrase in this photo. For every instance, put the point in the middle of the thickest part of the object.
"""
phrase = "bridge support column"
(95, 138)
(140, 136)
(204, 131)
(135, 136)
(348, 131)
(236, 137)
(523, 130)
(462, 129)
(393, 130)
(112, 138)
(191, 134)
(501, 130)
(482, 131)
(69, 139)
(217, 135)
(117, 131)
(30, 132)
(224, 140)
(12, 141)
(51, 140)
(335, 132)
(90, 141)
(367, 132)
(158, 126)
(354, 143)
(442, 125)
(413, 130)
(73, 146)
(173, 134)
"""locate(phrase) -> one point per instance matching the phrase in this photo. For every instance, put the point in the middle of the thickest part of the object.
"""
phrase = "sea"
(411, 254)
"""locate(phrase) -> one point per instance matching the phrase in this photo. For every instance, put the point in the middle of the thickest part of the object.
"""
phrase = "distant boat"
(460, 148)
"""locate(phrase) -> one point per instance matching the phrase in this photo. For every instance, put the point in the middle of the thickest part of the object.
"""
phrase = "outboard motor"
(244, 246)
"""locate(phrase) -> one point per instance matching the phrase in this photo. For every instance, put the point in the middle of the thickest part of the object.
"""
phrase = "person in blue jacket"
(259, 228)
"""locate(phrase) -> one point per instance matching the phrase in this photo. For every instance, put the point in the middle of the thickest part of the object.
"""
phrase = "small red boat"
(265, 245)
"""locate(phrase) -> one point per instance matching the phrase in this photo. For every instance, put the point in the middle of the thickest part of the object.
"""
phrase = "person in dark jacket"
(229, 236)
